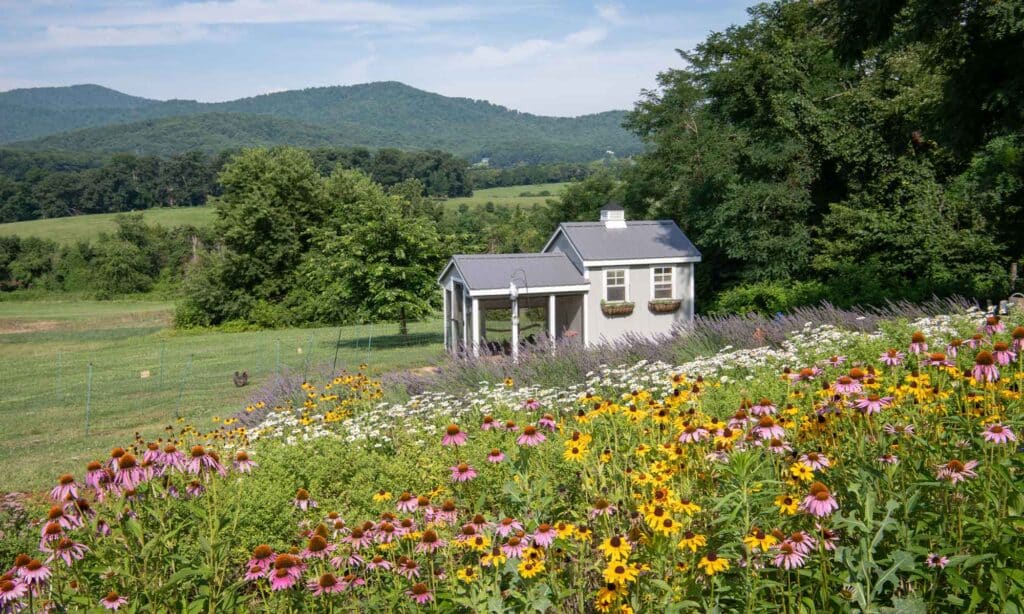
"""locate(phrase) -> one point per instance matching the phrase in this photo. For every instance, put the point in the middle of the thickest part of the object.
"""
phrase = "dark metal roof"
(612, 206)
(495, 271)
(637, 241)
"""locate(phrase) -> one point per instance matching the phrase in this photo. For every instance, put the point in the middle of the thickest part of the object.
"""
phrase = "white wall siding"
(640, 291)
(561, 244)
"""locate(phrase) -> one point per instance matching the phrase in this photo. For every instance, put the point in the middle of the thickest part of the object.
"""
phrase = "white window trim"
(625, 281)
(672, 277)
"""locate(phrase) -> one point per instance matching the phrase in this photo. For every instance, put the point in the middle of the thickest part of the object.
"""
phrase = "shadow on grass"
(393, 341)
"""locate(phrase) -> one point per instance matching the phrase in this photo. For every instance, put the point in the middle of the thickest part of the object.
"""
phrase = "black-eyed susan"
(758, 539)
(711, 563)
(620, 572)
(381, 496)
(467, 574)
(574, 454)
(787, 505)
(667, 526)
(615, 548)
(530, 568)
(802, 472)
(692, 541)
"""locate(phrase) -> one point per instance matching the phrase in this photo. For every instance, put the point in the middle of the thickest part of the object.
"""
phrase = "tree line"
(37, 185)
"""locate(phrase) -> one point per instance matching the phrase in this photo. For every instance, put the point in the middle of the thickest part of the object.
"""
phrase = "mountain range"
(93, 118)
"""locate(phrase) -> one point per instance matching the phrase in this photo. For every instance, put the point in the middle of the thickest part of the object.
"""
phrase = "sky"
(548, 57)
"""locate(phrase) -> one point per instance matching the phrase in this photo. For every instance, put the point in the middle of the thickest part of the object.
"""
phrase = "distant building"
(596, 280)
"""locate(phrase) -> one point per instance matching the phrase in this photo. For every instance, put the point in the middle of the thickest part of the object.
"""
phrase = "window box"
(664, 305)
(617, 308)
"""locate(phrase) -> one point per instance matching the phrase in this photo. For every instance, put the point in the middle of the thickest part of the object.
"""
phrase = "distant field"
(70, 230)
(142, 375)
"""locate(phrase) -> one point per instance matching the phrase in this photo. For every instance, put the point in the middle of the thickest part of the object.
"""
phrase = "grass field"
(70, 230)
(46, 348)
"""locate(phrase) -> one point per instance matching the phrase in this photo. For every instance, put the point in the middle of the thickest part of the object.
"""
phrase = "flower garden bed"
(840, 470)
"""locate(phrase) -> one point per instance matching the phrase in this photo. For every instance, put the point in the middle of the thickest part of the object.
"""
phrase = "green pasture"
(509, 195)
(144, 375)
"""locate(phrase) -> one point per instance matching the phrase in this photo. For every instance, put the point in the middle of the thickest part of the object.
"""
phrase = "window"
(662, 284)
(615, 285)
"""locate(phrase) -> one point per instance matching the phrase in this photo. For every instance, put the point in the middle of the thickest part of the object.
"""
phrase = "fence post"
(305, 360)
(60, 378)
(88, 398)
(161, 367)
(181, 387)
(337, 346)
(278, 357)
(369, 344)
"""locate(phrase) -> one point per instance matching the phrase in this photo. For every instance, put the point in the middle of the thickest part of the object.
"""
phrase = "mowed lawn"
(145, 374)
(70, 230)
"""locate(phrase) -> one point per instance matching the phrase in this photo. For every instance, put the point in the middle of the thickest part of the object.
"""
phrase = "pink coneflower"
(379, 562)
(872, 404)
(847, 385)
(152, 453)
(67, 549)
(94, 474)
(692, 434)
(993, 325)
(302, 500)
(242, 462)
(918, 343)
(531, 436)
(462, 472)
(603, 507)
(406, 502)
(453, 436)
(489, 423)
(34, 573)
(829, 538)
(548, 421)
(65, 488)
(787, 556)
(194, 488)
(957, 471)
(420, 593)
(113, 601)
(103, 528)
(325, 585)
(894, 429)
(835, 361)
(11, 590)
(1018, 338)
(816, 461)
(507, 526)
(60, 515)
(510, 426)
(262, 557)
(767, 428)
(350, 580)
(430, 542)
(889, 459)
(254, 573)
(448, 512)
(514, 547)
(544, 535)
(282, 579)
(806, 374)
(173, 457)
(985, 369)
(953, 347)
(52, 532)
(779, 446)
(763, 407)
(347, 560)
(801, 541)
(386, 533)
(937, 359)
(405, 526)
(999, 434)
(892, 357)
(531, 404)
(408, 568)
(317, 548)
(1002, 353)
(495, 456)
(934, 560)
(201, 461)
(128, 475)
(819, 502)
(358, 538)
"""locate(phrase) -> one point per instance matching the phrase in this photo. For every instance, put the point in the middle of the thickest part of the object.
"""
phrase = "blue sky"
(548, 57)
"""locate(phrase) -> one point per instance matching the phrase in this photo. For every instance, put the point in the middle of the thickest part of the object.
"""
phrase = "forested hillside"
(387, 114)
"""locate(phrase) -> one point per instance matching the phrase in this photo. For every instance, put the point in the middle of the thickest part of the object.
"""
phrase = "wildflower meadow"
(837, 470)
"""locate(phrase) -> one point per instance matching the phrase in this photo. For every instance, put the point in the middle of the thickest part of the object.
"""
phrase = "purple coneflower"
(489, 423)
(1018, 338)
(495, 456)
(847, 385)
(350, 580)
(544, 535)
(779, 446)
(282, 579)
(514, 547)
(985, 369)
(379, 562)
(302, 500)
(65, 488)
(358, 538)
(1002, 353)
(953, 347)
(805, 375)
(67, 550)
(548, 421)
(152, 453)
(262, 557)
(957, 471)
(317, 548)
(816, 461)
(993, 325)
(603, 507)
(787, 556)
(801, 541)
(692, 434)
(763, 407)
(507, 526)
(408, 568)
(194, 488)
(480, 522)
(406, 502)
(999, 434)
(11, 590)
(531, 436)
(113, 601)
(242, 462)
(767, 428)
(325, 585)
(202, 461)
(872, 404)
(892, 357)
(934, 560)
(129, 475)
(835, 361)
(937, 359)
(819, 502)
(61, 516)
(430, 542)
(918, 343)
(173, 457)
(448, 512)
(453, 436)
(889, 459)
(34, 573)
(531, 404)
(462, 472)
(420, 593)
(254, 573)
(94, 475)
(828, 537)
(386, 533)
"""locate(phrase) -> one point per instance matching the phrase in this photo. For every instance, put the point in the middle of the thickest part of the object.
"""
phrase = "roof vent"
(613, 216)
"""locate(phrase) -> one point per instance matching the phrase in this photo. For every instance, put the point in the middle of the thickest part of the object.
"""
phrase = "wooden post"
(515, 328)
(444, 315)
(552, 327)
(476, 327)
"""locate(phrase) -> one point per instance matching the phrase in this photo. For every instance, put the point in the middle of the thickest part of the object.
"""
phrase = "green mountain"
(385, 114)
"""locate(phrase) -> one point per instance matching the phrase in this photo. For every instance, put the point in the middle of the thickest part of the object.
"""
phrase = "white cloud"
(524, 51)
(73, 36)
(610, 13)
